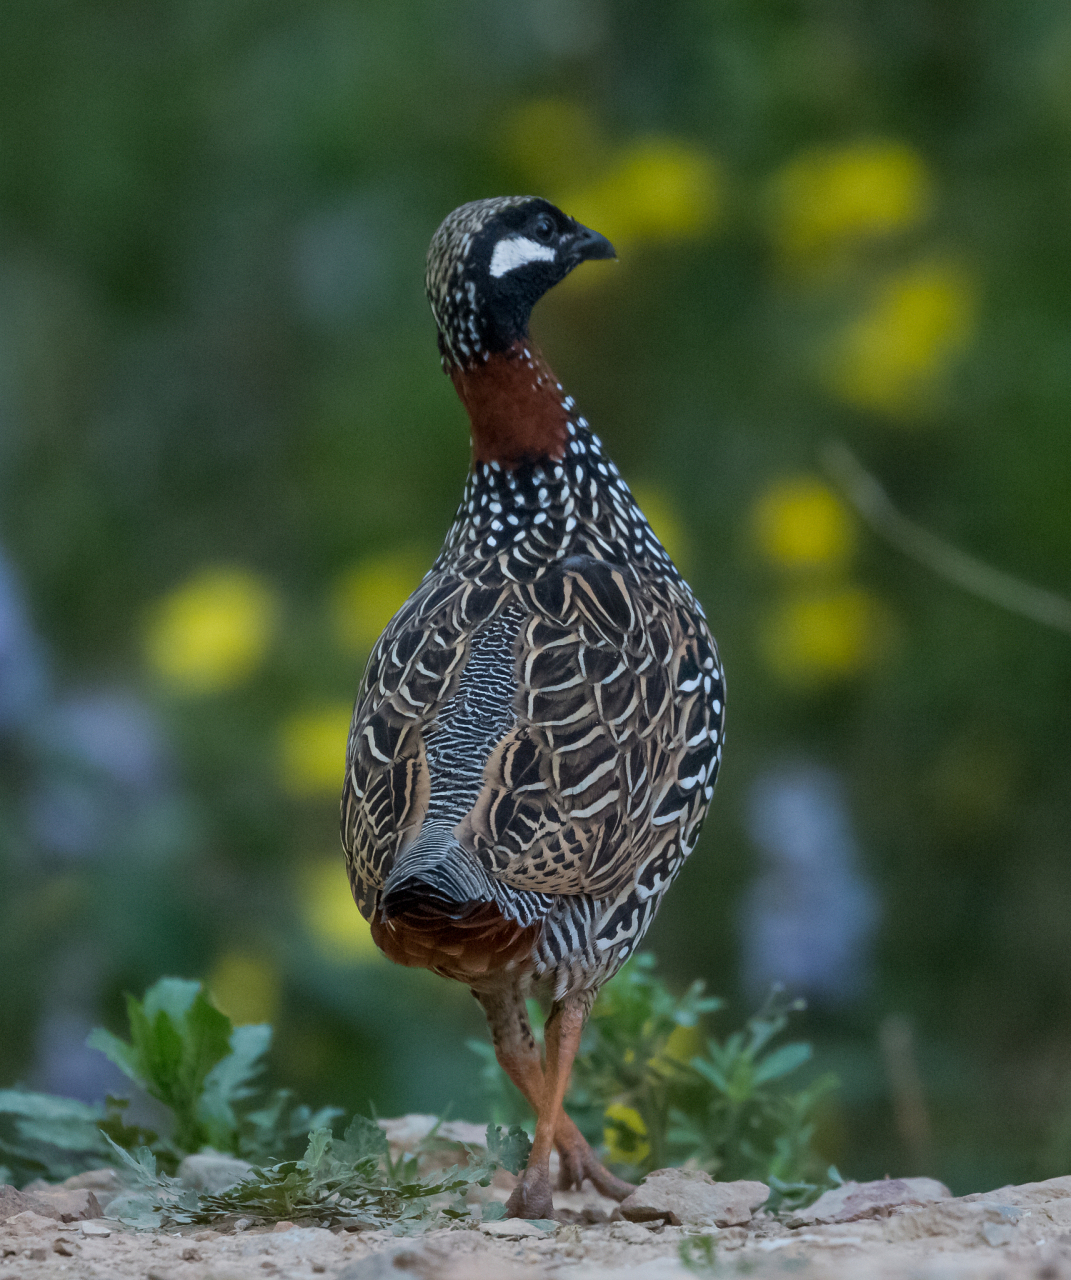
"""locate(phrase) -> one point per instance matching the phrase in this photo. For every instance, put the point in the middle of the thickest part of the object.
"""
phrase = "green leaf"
(365, 1139)
(53, 1134)
(230, 1078)
(510, 1150)
(710, 1072)
(46, 1106)
(206, 1039)
(319, 1144)
(173, 996)
(125, 1056)
(227, 1084)
(782, 1061)
(136, 1209)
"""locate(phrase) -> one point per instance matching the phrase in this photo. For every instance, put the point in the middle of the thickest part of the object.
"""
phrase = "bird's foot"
(577, 1161)
(531, 1197)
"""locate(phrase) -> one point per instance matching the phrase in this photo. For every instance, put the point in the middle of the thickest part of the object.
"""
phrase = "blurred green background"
(227, 452)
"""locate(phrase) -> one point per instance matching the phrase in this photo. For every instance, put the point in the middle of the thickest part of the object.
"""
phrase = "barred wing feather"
(606, 738)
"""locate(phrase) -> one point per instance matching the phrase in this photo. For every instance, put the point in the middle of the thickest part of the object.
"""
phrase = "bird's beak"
(588, 245)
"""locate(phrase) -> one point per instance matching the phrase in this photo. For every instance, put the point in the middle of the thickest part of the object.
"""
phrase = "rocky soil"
(897, 1228)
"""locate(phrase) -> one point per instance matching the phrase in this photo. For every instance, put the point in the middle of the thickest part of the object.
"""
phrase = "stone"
(854, 1200)
(389, 1264)
(407, 1132)
(1029, 1193)
(56, 1203)
(104, 1183)
(997, 1233)
(692, 1197)
(631, 1232)
(971, 1222)
(97, 1229)
(30, 1221)
(67, 1206)
(13, 1202)
(513, 1228)
(212, 1172)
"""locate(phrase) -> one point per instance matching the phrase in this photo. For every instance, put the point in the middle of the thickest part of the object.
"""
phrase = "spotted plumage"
(538, 731)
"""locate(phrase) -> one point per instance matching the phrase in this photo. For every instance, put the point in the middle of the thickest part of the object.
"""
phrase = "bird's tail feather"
(436, 877)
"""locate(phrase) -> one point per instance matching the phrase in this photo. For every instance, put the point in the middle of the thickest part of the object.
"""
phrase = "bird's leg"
(515, 1046)
(531, 1196)
(518, 1056)
(578, 1162)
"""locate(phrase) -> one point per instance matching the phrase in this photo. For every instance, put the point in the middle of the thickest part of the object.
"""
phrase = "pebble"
(854, 1200)
(512, 1228)
(691, 1196)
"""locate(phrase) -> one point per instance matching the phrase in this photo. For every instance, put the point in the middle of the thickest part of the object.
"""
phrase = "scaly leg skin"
(531, 1196)
(518, 1055)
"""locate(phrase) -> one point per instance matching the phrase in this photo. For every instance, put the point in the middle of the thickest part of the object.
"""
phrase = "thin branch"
(873, 504)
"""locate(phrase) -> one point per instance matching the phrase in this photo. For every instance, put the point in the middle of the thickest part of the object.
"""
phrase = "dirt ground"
(1012, 1233)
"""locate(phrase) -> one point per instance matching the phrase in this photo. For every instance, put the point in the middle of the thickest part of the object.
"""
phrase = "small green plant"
(698, 1254)
(655, 1090)
(186, 1053)
(351, 1179)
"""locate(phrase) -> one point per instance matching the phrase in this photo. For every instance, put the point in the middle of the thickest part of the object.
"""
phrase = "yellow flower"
(366, 597)
(212, 632)
(654, 188)
(330, 915)
(657, 505)
(245, 987)
(312, 750)
(831, 199)
(682, 1045)
(893, 358)
(826, 635)
(657, 189)
(800, 523)
(625, 1135)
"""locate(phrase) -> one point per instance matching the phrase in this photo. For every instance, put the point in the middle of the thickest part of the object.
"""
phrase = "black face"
(491, 261)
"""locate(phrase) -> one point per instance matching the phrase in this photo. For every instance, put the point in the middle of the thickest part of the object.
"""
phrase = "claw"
(531, 1197)
(577, 1161)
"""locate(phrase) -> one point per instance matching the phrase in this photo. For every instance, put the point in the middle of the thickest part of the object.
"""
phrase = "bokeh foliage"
(227, 452)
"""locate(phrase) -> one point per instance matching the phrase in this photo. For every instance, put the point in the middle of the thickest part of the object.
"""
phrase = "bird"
(538, 730)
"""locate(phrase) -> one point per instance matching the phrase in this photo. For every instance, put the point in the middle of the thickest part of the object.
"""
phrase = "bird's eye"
(543, 229)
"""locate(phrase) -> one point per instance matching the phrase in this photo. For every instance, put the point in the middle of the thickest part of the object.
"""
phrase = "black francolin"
(538, 730)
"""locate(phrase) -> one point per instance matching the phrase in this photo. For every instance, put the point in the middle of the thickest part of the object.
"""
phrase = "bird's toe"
(531, 1197)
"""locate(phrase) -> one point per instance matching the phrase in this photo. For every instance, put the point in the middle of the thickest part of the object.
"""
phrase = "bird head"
(489, 264)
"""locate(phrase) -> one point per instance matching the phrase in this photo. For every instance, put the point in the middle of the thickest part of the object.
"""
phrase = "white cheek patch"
(518, 251)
